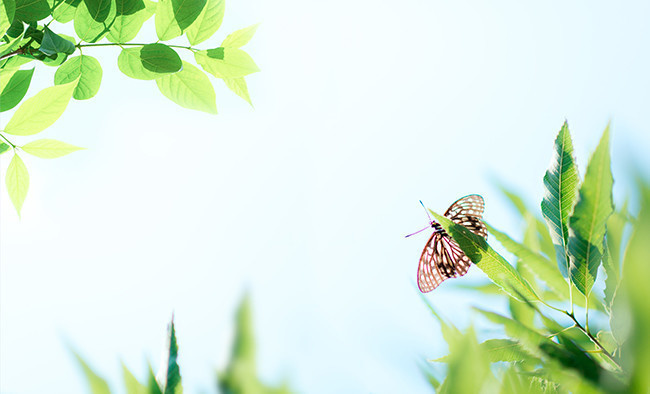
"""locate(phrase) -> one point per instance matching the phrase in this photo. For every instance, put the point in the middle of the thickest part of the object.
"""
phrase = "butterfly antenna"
(427, 211)
(417, 232)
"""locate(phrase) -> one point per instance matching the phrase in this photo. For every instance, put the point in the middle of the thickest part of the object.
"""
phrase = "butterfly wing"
(441, 259)
(468, 211)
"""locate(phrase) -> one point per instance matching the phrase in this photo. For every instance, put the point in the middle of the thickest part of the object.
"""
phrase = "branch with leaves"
(28, 33)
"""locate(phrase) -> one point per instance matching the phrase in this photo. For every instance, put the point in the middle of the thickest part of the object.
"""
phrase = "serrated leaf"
(31, 10)
(174, 16)
(189, 88)
(238, 85)
(41, 111)
(132, 385)
(240, 37)
(49, 149)
(85, 68)
(207, 23)
(505, 350)
(489, 261)
(92, 27)
(530, 339)
(17, 182)
(226, 62)
(537, 263)
(65, 11)
(561, 190)
(97, 384)
(13, 87)
(53, 43)
(169, 375)
(587, 224)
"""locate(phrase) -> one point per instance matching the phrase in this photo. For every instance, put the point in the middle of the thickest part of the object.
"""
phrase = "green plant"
(567, 330)
(28, 33)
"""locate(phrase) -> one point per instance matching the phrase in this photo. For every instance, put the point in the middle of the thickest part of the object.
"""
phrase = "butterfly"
(442, 258)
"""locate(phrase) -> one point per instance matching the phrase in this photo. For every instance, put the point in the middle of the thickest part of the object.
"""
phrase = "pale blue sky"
(361, 109)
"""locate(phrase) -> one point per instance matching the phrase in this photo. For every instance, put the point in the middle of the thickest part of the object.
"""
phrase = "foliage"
(29, 33)
(549, 344)
(239, 376)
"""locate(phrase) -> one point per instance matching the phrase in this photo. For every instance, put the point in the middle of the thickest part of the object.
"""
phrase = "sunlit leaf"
(588, 222)
(612, 257)
(169, 375)
(65, 11)
(97, 384)
(207, 23)
(466, 355)
(7, 13)
(3, 147)
(130, 18)
(17, 182)
(85, 68)
(189, 88)
(174, 16)
(238, 85)
(41, 111)
(149, 62)
(49, 149)
(226, 62)
(561, 188)
(131, 383)
(53, 43)
(93, 27)
(240, 37)
(13, 87)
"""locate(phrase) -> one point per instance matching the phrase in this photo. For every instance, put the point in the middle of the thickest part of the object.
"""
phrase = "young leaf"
(17, 181)
(13, 86)
(588, 221)
(131, 15)
(131, 383)
(189, 88)
(169, 375)
(561, 187)
(92, 27)
(85, 68)
(174, 16)
(31, 10)
(65, 11)
(53, 43)
(41, 111)
(238, 85)
(97, 384)
(49, 149)
(226, 62)
(207, 23)
(489, 261)
(130, 63)
(240, 37)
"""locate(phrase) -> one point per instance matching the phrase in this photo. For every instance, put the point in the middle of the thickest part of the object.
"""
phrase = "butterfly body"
(442, 258)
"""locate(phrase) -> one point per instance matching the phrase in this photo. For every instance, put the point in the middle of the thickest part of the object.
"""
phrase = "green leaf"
(152, 383)
(3, 147)
(561, 188)
(131, 383)
(169, 375)
(49, 149)
(99, 10)
(31, 10)
(226, 62)
(129, 20)
(537, 263)
(189, 88)
(238, 85)
(13, 87)
(7, 13)
(84, 68)
(17, 182)
(616, 225)
(92, 27)
(10, 46)
(530, 339)
(174, 16)
(53, 44)
(149, 62)
(588, 222)
(490, 262)
(207, 23)
(505, 350)
(41, 111)
(15, 31)
(65, 11)
(97, 384)
(466, 355)
(488, 288)
(240, 37)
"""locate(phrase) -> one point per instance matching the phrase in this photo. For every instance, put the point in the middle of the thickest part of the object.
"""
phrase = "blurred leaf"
(521, 312)
(466, 357)
(53, 43)
(97, 384)
(207, 23)
(238, 85)
(588, 222)
(3, 147)
(489, 261)
(485, 288)
(636, 272)
(92, 27)
(240, 37)
(607, 340)
(49, 149)
(131, 383)
(13, 87)
(85, 68)
(17, 182)
(620, 318)
(7, 13)
(189, 88)
(428, 375)
(505, 350)
(152, 383)
(561, 187)
(41, 111)
(513, 382)
(174, 16)
(169, 375)
(65, 11)
(226, 62)
(612, 258)
(538, 264)
(449, 332)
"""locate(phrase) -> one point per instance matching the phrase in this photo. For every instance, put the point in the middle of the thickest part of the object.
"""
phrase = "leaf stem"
(593, 339)
(9, 142)
(120, 44)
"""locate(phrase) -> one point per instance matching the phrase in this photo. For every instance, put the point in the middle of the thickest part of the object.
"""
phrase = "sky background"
(362, 108)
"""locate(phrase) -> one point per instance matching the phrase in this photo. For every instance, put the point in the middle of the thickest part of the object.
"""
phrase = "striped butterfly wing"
(442, 258)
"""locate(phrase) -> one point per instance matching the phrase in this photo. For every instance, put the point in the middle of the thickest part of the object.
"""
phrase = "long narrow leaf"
(169, 375)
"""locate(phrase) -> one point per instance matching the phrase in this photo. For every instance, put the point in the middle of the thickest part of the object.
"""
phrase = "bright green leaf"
(31, 10)
(489, 261)
(174, 16)
(616, 225)
(189, 88)
(65, 11)
(588, 222)
(7, 13)
(169, 376)
(466, 355)
(49, 149)
(13, 86)
(17, 182)
(226, 62)
(41, 111)
(97, 384)
(85, 68)
(90, 29)
(240, 37)
(149, 62)
(207, 23)
(131, 383)
(238, 85)
(129, 20)
(561, 187)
